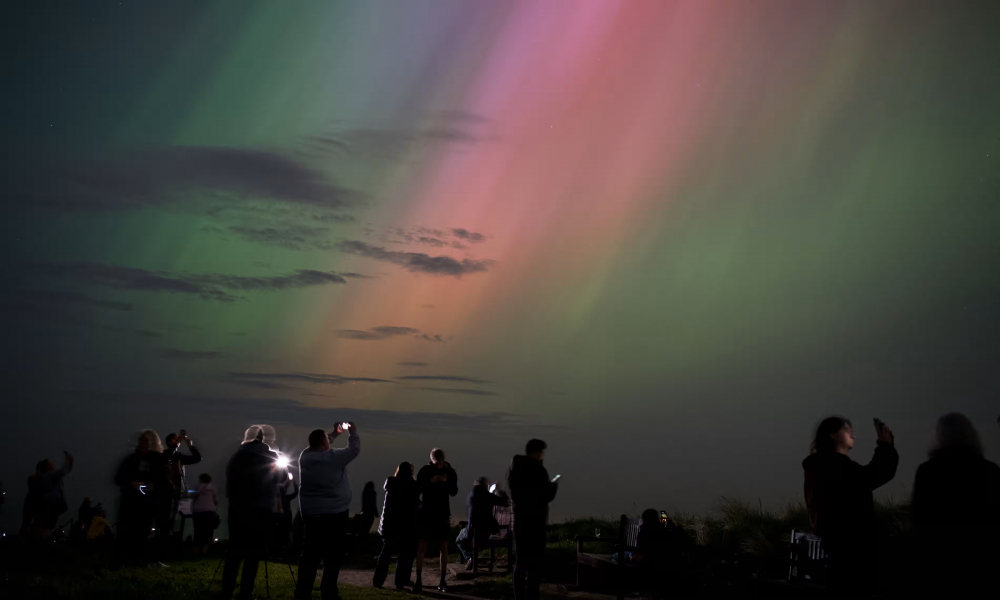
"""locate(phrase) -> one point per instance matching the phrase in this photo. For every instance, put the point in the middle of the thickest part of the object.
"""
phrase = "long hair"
(152, 440)
(955, 430)
(405, 469)
(822, 441)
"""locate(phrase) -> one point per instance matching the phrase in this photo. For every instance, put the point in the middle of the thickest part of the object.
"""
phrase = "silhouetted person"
(140, 478)
(530, 493)
(661, 553)
(166, 510)
(46, 500)
(364, 520)
(324, 499)
(398, 526)
(205, 513)
(482, 523)
(438, 483)
(252, 477)
(84, 513)
(956, 515)
(838, 494)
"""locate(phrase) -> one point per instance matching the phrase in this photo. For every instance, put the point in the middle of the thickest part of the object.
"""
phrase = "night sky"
(666, 237)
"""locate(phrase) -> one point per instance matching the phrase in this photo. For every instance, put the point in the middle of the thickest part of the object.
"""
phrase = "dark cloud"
(308, 377)
(261, 384)
(417, 262)
(162, 175)
(175, 354)
(413, 364)
(442, 378)
(56, 298)
(430, 241)
(208, 287)
(457, 391)
(469, 236)
(437, 338)
(383, 332)
(291, 237)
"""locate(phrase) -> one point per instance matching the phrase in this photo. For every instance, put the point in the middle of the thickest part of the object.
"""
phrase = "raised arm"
(882, 467)
(194, 458)
(343, 456)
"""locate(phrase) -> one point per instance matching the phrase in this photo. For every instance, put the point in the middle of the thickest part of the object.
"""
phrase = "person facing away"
(363, 520)
(438, 483)
(289, 491)
(531, 491)
(482, 523)
(956, 514)
(838, 493)
(140, 477)
(252, 477)
(204, 513)
(398, 526)
(46, 498)
(324, 499)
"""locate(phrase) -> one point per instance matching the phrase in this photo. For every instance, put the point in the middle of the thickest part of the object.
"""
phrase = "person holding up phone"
(838, 493)
(438, 483)
(530, 493)
(324, 500)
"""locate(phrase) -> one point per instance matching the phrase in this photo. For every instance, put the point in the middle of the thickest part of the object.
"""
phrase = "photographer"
(438, 482)
(140, 477)
(46, 499)
(530, 493)
(838, 494)
(252, 478)
(482, 523)
(166, 511)
(324, 499)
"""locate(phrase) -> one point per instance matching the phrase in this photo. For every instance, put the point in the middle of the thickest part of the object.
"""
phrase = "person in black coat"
(398, 526)
(363, 520)
(167, 503)
(438, 483)
(530, 493)
(142, 478)
(839, 497)
(252, 479)
(956, 515)
(482, 523)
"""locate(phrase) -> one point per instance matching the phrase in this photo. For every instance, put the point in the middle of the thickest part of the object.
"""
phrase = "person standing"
(838, 494)
(204, 513)
(252, 477)
(530, 493)
(46, 499)
(398, 526)
(438, 482)
(956, 515)
(140, 477)
(175, 461)
(324, 500)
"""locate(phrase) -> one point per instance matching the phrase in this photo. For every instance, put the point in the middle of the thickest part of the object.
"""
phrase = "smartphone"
(556, 478)
(345, 426)
(493, 488)
(184, 432)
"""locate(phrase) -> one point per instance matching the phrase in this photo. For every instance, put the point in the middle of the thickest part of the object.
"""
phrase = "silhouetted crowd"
(955, 511)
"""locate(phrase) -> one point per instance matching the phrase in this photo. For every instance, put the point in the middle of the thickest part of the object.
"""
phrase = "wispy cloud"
(469, 236)
(193, 355)
(163, 175)
(442, 378)
(208, 287)
(59, 298)
(413, 364)
(417, 262)
(383, 332)
(320, 378)
(463, 392)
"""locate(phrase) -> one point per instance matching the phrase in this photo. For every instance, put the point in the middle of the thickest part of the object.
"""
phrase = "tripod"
(267, 583)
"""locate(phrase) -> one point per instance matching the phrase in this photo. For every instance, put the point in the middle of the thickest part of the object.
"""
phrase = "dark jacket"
(399, 509)
(481, 503)
(252, 477)
(435, 503)
(956, 517)
(176, 463)
(530, 488)
(149, 469)
(839, 492)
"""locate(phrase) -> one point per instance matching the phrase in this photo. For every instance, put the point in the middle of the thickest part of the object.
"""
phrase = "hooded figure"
(398, 526)
(530, 494)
